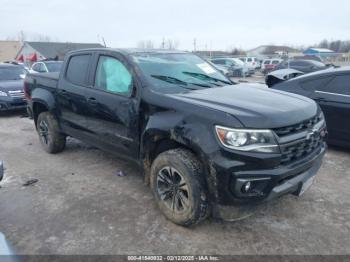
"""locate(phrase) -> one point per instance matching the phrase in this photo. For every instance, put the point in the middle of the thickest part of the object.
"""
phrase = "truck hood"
(254, 107)
(11, 85)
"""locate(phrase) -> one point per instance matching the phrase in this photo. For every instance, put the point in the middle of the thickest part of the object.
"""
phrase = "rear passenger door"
(334, 100)
(113, 106)
(71, 94)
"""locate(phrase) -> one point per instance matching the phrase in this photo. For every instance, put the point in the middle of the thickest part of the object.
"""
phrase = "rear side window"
(77, 69)
(266, 62)
(340, 85)
(316, 84)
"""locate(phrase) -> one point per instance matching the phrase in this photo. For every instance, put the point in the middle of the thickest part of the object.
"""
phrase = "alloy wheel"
(44, 132)
(173, 189)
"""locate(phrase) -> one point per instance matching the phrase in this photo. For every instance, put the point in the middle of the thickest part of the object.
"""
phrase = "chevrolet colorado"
(201, 140)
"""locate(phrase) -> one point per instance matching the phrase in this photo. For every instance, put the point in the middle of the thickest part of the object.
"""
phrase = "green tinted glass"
(112, 76)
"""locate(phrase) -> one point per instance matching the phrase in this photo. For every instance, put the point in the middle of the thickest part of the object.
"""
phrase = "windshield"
(11, 73)
(179, 69)
(54, 67)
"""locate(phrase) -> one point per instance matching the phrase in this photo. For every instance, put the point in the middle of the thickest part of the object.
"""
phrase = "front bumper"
(294, 185)
(270, 179)
(9, 103)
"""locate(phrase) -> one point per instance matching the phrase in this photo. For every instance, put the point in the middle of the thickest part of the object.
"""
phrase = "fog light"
(246, 187)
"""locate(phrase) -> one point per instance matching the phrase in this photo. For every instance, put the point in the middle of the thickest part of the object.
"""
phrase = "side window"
(250, 60)
(319, 84)
(36, 67)
(113, 76)
(77, 69)
(42, 68)
(267, 62)
(340, 85)
(39, 68)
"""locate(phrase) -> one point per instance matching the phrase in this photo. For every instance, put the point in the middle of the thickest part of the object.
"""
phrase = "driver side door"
(113, 106)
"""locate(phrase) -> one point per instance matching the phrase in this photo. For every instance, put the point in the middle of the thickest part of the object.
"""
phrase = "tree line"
(337, 46)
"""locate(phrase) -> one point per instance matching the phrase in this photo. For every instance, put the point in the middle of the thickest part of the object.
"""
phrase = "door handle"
(320, 99)
(92, 100)
(63, 91)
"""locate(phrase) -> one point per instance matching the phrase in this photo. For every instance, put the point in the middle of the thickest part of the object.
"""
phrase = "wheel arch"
(158, 141)
(42, 101)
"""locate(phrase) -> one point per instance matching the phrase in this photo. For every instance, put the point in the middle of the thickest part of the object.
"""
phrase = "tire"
(179, 188)
(51, 139)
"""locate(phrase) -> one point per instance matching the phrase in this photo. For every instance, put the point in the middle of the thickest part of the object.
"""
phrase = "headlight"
(2, 93)
(247, 139)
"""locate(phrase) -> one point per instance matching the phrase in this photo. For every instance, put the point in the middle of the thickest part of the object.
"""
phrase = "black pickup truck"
(202, 141)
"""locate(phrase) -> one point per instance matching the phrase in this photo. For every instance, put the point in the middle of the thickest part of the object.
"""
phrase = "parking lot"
(80, 206)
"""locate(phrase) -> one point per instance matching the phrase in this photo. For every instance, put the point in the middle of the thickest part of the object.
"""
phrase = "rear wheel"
(179, 188)
(51, 139)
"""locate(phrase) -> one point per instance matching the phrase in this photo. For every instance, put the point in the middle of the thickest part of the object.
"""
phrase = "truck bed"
(44, 79)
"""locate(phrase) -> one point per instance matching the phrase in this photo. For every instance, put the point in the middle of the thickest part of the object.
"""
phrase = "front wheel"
(51, 139)
(179, 188)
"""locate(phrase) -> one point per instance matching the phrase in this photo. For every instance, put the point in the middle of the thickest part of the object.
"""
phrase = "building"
(320, 52)
(34, 51)
(9, 50)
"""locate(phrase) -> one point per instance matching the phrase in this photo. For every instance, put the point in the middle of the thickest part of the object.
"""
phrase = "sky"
(215, 24)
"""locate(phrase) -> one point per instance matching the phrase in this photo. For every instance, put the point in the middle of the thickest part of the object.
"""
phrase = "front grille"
(16, 94)
(296, 151)
(307, 124)
(301, 140)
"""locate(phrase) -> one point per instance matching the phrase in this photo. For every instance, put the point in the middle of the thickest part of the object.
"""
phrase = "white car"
(46, 66)
(251, 62)
(234, 66)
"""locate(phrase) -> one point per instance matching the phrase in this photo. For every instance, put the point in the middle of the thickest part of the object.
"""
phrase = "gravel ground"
(80, 206)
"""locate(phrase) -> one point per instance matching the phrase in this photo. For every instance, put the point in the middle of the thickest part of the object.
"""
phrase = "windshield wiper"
(174, 80)
(206, 77)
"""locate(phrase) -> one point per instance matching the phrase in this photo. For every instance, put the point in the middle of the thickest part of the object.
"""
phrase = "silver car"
(234, 66)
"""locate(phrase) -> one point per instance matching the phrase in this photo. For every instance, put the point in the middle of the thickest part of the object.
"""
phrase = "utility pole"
(163, 43)
(194, 45)
(104, 42)
(210, 51)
